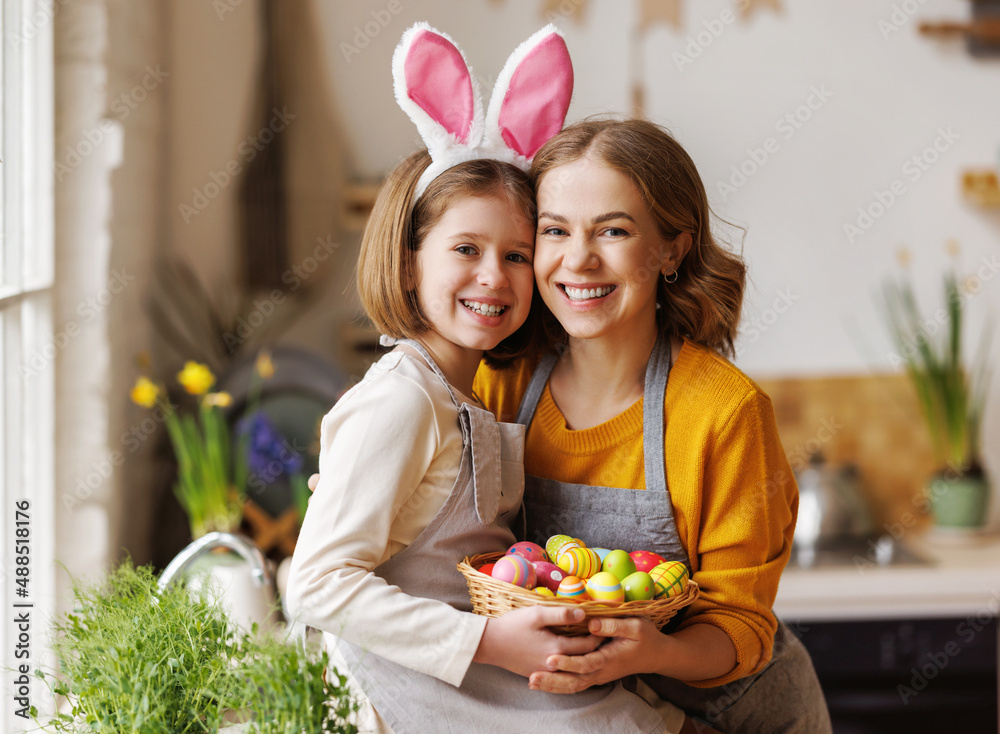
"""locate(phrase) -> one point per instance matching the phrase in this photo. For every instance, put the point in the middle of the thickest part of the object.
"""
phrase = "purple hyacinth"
(269, 455)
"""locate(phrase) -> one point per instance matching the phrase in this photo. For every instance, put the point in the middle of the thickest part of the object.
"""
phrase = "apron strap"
(654, 392)
(484, 441)
(389, 341)
(535, 389)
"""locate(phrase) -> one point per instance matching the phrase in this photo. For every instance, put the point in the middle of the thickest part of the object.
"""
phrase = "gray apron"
(785, 696)
(476, 518)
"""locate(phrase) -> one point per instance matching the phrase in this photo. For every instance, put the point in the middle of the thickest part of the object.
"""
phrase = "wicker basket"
(494, 598)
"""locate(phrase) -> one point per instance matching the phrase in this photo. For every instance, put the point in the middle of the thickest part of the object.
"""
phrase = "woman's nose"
(578, 254)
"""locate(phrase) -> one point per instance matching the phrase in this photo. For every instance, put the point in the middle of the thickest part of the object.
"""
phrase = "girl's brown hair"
(398, 225)
(704, 302)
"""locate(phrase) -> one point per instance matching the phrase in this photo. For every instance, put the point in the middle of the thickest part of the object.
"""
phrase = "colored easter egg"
(580, 562)
(619, 563)
(555, 545)
(638, 586)
(645, 560)
(670, 578)
(515, 570)
(486, 568)
(542, 591)
(601, 553)
(531, 552)
(605, 586)
(572, 588)
(580, 542)
(548, 575)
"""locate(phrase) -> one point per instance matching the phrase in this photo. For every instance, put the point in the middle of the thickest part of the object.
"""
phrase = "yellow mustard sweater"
(733, 492)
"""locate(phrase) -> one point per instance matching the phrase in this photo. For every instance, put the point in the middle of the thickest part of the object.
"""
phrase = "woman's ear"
(676, 250)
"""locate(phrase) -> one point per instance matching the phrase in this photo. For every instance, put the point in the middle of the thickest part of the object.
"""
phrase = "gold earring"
(668, 279)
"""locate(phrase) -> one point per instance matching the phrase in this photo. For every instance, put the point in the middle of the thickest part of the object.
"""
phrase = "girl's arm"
(376, 447)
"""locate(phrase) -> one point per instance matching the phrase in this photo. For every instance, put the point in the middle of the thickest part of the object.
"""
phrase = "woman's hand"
(698, 652)
(521, 642)
(633, 647)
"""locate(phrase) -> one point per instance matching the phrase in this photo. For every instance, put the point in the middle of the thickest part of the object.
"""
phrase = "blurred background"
(213, 162)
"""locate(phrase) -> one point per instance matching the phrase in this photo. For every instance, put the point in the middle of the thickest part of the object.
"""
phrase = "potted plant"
(136, 658)
(211, 476)
(951, 397)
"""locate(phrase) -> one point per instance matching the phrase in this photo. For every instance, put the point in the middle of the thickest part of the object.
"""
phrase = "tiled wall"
(872, 421)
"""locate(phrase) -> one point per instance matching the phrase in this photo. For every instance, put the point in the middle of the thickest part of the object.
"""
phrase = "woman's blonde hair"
(397, 226)
(704, 302)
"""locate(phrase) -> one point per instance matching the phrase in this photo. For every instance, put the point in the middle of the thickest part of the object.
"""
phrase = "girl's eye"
(465, 250)
(517, 257)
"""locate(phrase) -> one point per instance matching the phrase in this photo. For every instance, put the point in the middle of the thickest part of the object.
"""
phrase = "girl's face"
(473, 275)
(598, 252)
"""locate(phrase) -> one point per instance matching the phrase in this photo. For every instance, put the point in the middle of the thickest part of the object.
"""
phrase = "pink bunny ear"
(435, 88)
(532, 94)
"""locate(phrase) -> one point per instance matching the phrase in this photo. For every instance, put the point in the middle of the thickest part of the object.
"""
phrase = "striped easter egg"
(605, 586)
(572, 588)
(670, 578)
(580, 562)
(515, 570)
(557, 544)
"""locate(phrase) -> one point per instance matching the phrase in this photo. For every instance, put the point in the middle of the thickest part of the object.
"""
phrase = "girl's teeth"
(582, 294)
(484, 309)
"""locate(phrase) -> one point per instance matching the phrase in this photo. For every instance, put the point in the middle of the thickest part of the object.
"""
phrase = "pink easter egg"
(548, 575)
(646, 560)
(515, 570)
(529, 551)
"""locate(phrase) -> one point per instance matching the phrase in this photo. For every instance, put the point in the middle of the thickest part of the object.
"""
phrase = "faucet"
(260, 573)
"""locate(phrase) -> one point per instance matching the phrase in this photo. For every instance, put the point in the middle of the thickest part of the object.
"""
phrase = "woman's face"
(598, 251)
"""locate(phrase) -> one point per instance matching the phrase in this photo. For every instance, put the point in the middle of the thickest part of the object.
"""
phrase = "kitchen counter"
(960, 578)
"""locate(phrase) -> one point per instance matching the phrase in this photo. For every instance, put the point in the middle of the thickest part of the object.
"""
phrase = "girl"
(415, 472)
(637, 291)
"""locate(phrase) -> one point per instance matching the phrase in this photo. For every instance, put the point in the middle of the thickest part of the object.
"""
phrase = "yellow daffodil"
(145, 392)
(264, 365)
(218, 400)
(196, 378)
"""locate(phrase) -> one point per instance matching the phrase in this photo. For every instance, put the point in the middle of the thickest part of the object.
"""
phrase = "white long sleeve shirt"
(390, 454)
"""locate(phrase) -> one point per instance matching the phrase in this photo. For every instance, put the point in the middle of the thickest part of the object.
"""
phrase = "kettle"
(831, 505)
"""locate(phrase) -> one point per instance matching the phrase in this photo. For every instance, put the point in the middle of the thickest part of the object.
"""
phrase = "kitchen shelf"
(981, 187)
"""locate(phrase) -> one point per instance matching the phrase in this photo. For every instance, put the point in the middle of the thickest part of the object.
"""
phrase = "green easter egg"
(619, 563)
(638, 586)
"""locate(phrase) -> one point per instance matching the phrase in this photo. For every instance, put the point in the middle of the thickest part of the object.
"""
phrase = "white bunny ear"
(434, 86)
(530, 99)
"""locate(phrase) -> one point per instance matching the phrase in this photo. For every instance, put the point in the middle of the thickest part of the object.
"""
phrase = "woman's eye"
(615, 232)
(554, 231)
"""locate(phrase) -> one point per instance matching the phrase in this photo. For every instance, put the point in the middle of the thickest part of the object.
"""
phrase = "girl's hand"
(633, 648)
(521, 642)
(312, 482)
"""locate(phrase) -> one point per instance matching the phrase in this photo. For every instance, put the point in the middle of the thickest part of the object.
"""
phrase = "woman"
(637, 290)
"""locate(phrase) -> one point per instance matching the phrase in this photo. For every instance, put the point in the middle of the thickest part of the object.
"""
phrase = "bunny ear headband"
(435, 88)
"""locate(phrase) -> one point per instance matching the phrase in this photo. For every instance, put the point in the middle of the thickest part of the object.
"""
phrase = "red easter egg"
(646, 560)
(531, 552)
(487, 569)
(548, 575)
